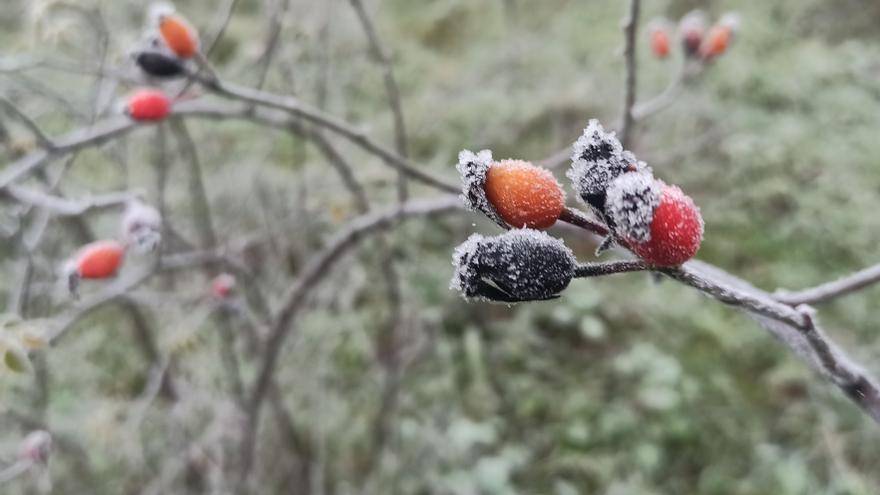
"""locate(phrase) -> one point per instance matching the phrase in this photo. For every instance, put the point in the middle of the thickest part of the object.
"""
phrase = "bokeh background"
(622, 386)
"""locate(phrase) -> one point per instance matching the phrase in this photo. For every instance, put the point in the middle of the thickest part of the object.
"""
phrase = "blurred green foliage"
(622, 386)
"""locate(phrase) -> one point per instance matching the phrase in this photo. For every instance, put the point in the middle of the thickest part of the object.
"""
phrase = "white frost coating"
(141, 226)
(731, 20)
(519, 265)
(630, 203)
(473, 168)
(157, 10)
(599, 158)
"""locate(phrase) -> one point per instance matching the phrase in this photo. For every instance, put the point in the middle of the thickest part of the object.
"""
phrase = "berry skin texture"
(100, 259)
(179, 35)
(676, 230)
(148, 105)
(660, 43)
(524, 195)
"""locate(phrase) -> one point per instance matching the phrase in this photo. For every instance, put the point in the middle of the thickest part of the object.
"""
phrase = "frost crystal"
(141, 226)
(473, 168)
(519, 265)
(598, 159)
(632, 199)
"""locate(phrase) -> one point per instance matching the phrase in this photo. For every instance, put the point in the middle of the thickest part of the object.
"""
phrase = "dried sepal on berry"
(598, 159)
(630, 205)
(141, 226)
(691, 30)
(473, 168)
(519, 265)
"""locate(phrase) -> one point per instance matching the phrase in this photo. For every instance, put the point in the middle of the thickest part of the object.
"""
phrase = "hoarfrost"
(598, 159)
(473, 168)
(630, 204)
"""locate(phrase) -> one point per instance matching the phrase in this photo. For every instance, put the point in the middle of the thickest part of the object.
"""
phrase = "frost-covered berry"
(662, 225)
(519, 265)
(156, 63)
(716, 42)
(691, 29)
(658, 32)
(513, 193)
(96, 260)
(720, 37)
(598, 159)
(141, 226)
(148, 105)
(222, 286)
(99, 259)
(36, 447)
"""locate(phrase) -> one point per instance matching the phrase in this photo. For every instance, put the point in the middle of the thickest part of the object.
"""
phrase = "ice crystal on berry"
(598, 159)
(473, 168)
(630, 204)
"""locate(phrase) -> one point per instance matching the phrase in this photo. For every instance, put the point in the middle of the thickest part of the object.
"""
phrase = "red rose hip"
(148, 105)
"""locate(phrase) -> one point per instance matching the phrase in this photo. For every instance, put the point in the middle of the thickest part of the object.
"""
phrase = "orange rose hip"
(180, 37)
(524, 195)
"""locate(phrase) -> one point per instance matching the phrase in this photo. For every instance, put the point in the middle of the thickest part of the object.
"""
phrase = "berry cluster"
(698, 40)
(657, 222)
(169, 46)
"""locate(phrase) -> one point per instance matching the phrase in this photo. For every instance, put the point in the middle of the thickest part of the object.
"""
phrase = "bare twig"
(296, 107)
(15, 470)
(608, 268)
(392, 90)
(278, 9)
(667, 97)
(630, 29)
(68, 207)
(42, 139)
(831, 290)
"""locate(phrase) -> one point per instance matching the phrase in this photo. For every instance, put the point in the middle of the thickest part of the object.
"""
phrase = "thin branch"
(666, 98)
(296, 107)
(69, 207)
(585, 270)
(15, 470)
(831, 290)
(42, 139)
(392, 90)
(630, 29)
(273, 38)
